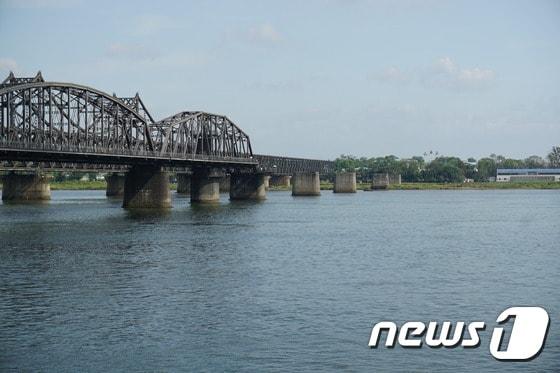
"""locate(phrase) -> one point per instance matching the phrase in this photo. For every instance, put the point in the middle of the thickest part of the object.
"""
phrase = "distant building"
(528, 174)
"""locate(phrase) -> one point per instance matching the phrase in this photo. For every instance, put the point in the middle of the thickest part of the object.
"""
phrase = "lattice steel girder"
(64, 122)
(191, 133)
(288, 166)
(64, 114)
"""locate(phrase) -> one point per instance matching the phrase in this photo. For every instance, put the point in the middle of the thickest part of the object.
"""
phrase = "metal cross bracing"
(52, 121)
(193, 132)
(276, 165)
(74, 124)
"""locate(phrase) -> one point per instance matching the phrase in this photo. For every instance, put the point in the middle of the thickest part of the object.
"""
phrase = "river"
(288, 284)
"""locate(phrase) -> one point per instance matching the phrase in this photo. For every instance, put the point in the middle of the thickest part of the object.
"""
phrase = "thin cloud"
(150, 24)
(444, 72)
(264, 34)
(392, 74)
(130, 52)
(476, 75)
(121, 56)
(449, 73)
(7, 65)
(445, 64)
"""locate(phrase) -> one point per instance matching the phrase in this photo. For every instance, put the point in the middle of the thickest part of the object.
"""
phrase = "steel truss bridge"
(53, 126)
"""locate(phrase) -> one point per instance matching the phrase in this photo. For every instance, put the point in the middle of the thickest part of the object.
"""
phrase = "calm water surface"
(288, 284)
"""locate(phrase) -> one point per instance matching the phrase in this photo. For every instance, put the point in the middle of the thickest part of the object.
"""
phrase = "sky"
(315, 78)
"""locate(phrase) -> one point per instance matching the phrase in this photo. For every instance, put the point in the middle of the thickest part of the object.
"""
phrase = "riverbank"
(102, 185)
(456, 186)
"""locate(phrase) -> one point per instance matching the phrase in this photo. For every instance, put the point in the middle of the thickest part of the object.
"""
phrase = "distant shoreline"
(458, 186)
(102, 185)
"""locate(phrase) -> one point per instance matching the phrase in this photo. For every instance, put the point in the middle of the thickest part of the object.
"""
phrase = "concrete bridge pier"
(267, 183)
(280, 181)
(115, 185)
(306, 184)
(146, 187)
(183, 183)
(225, 184)
(249, 186)
(345, 182)
(205, 186)
(25, 187)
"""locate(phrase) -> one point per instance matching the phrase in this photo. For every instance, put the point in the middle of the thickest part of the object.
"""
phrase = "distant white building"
(528, 174)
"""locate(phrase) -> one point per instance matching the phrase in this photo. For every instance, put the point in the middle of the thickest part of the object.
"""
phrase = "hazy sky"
(315, 78)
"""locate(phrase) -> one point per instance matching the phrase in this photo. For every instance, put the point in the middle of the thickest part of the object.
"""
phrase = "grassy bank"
(85, 185)
(488, 185)
(78, 185)
(455, 186)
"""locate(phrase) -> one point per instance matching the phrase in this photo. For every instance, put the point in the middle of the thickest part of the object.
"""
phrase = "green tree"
(511, 163)
(554, 157)
(445, 170)
(534, 161)
(411, 169)
(346, 163)
(486, 168)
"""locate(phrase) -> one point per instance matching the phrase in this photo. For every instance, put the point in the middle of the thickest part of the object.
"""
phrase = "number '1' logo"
(527, 336)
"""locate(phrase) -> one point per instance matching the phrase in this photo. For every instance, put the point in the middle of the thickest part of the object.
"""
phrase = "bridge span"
(50, 126)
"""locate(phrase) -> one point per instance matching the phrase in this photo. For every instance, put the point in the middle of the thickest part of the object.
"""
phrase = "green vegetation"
(455, 186)
(101, 185)
(481, 185)
(554, 157)
(85, 185)
(417, 173)
(78, 185)
(441, 169)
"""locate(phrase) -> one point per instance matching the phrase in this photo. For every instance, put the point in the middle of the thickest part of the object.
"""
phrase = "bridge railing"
(120, 152)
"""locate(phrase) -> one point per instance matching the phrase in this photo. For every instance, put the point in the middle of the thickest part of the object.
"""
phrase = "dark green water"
(290, 284)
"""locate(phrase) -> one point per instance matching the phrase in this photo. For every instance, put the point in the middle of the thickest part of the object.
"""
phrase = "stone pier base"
(225, 184)
(146, 187)
(380, 181)
(205, 187)
(345, 182)
(25, 187)
(266, 183)
(183, 183)
(280, 181)
(115, 185)
(306, 184)
(247, 187)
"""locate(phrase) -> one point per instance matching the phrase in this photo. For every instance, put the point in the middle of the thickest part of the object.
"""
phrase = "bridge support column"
(345, 182)
(225, 184)
(183, 183)
(25, 187)
(205, 186)
(115, 185)
(266, 183)
(146, 187)
(306, 184)
(280, 181)
(251, 186)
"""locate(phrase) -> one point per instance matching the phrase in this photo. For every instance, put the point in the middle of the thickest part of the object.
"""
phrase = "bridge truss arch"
(190, 133)
(53, 123)
(69, 117)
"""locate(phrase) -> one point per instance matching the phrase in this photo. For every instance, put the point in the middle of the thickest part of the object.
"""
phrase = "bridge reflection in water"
(53, 126)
